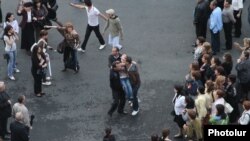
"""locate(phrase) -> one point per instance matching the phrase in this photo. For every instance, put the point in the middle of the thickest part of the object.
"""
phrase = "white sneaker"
(134, 113)
(80, 50)
(12, 78)
(17, 70)
(47, 83)
(102, 47)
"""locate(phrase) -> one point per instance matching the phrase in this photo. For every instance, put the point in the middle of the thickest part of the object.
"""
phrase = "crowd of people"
(38, 17)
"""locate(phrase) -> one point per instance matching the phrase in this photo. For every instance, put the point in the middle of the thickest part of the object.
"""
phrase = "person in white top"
(10, 20)
(245, 117)
(93, 23)
(10, 48)
(237, 7)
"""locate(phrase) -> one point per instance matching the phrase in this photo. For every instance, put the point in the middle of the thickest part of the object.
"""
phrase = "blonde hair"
(207, 48)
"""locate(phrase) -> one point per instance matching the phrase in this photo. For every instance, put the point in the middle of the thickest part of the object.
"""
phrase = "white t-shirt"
(93, 14)
(237, 4)
(7, 46)
(14, 25)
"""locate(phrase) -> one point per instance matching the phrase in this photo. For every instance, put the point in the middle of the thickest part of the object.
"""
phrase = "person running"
(93, 23)
(115, 29)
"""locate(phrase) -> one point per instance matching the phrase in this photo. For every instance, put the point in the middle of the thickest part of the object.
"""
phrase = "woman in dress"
(27, 37)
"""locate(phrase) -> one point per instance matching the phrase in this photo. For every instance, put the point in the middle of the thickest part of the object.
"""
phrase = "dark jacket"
(114, 79)
(243, 71)
(227, 68)
(25, 18)
(19, 132)
(5, 107)
(112, 59)
(134, 76)
(201, 12)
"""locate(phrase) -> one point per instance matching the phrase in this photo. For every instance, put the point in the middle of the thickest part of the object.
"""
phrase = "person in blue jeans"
(124, 78)
(10, 48)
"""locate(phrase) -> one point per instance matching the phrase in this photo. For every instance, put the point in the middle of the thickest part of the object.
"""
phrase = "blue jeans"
(215, 39)
(127, 87)
(11, 62)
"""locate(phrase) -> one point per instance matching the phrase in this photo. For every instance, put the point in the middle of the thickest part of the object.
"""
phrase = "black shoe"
(194, 45)
(123, 113)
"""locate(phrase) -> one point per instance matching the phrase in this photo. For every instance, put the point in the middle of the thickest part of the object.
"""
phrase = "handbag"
(228, 108)
(61, 46)
(6, 56)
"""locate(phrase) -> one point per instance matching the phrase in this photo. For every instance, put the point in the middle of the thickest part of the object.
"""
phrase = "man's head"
(115, 51)
(2, 86)
(213, 4)
(108, 131)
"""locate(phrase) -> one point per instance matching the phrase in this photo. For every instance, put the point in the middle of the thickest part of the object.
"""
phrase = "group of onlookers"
(22, 123)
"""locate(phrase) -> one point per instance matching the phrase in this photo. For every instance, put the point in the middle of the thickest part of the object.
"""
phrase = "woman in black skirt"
(27, 37)
(179, 108)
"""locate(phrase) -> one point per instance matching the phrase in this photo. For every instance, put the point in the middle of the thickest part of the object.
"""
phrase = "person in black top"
(115, 83)
(19, 132)
(38, 64)
(201, 15)
(227, 64)
(108, 136)
(5, 110)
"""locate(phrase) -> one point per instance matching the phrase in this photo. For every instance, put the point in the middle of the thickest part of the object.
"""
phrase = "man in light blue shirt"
(215, 26)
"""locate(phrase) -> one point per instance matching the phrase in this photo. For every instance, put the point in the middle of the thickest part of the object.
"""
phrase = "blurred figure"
(5, 110)
(108, 136)
(19, 132)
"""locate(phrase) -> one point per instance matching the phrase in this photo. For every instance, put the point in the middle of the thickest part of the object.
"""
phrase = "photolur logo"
(227, 133)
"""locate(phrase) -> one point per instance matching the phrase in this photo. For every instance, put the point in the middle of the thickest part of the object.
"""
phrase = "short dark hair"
(220, 70)
(108, 130)
(228, 1)
(178, 88)
(228, 57)
(201, 89)
(43, 33)
(165, 132)
(8, 15)
(201, 39)
(88, 3)
(129, 59)
(154, 137)
(20, 98)
(232, 78)
(192, 114)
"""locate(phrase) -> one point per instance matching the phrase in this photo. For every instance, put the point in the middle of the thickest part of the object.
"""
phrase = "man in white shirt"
(237, 7)
(93, 23)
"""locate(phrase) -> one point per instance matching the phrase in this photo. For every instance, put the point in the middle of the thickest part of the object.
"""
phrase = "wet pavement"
(158, 35)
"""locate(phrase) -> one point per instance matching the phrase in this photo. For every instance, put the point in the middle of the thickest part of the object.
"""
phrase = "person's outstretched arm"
(78, 6)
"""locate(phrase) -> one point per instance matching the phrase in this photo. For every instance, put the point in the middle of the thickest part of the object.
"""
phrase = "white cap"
(110, 11)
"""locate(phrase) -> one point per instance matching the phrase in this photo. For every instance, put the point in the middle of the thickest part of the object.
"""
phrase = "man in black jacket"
(201, 15)
(5, 110)
(115, 84)
(19, 132)
(243, 74)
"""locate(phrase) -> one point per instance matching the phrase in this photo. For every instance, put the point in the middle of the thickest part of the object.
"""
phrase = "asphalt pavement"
(158, 35)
